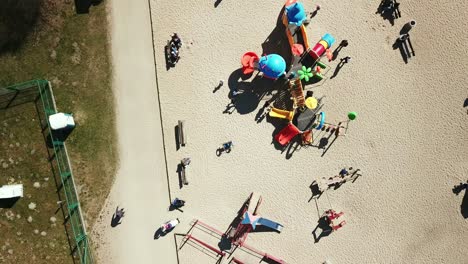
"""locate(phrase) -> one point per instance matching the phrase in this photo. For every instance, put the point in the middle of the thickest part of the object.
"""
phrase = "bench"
(182, 135)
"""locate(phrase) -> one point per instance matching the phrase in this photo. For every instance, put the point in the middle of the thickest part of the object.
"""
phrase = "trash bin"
(61, 121)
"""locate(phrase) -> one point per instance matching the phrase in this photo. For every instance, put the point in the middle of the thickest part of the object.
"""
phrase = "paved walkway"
(141, 181)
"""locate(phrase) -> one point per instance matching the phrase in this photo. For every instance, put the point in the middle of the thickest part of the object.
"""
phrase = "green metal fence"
(40, 93)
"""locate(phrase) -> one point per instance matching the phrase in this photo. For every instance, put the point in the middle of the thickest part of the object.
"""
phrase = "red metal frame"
(206, 245)
(219, 252)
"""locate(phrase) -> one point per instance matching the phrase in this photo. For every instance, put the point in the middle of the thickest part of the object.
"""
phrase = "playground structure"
(293, 21)
(241, 256)
(305, 64)
(246, 221)
(273, 66)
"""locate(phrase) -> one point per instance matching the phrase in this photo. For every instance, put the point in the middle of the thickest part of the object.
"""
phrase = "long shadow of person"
(326, 229)
(115, 220)
(464, 205)
(338, 68)
(336, 52)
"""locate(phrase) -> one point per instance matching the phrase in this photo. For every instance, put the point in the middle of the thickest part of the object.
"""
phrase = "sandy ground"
(410, 138)
(141, 182)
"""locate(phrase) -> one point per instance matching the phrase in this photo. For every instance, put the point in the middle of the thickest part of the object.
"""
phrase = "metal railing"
(40, 93)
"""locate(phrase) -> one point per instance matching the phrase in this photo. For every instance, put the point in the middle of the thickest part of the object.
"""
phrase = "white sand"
(409, 140)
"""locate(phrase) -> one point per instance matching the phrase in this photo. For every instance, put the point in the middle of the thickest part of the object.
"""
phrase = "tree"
(17, 19)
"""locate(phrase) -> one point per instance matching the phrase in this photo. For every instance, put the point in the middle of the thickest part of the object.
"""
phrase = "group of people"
(343, 176)
(173, 49)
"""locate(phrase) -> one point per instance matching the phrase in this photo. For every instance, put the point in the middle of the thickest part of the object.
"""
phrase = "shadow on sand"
(115, 221)
(324, 226)
(464, 205)
(246, 94)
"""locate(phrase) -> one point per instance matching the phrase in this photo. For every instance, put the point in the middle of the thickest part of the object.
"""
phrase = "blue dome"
(273, 65)
(296, 14)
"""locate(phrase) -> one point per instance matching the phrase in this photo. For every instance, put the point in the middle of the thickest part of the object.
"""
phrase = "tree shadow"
(17, 20)
(82, 6)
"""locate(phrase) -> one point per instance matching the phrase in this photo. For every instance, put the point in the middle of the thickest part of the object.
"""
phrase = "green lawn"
(72, 51)
(24, 160)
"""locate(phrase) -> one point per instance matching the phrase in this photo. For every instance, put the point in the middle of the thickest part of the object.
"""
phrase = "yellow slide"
(280, 113)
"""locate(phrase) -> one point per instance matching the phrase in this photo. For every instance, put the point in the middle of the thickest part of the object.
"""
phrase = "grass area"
(33, 234)
(72, 52)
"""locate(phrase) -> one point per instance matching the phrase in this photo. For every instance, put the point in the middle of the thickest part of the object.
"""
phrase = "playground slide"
(270, 224)
(319, 49)
(286, 134)
(299, 37)
(280, 113)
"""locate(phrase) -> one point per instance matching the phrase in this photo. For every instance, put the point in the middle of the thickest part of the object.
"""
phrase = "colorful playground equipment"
(249, 220)
(280, 113)
(227, 256)
(295, 13)
(297, 93)
(249, 62)
(293, 21)
(319, 49)
(272, 66)
(287, 134)
(305, 65)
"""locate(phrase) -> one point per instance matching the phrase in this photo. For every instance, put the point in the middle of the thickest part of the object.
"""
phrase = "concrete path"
(141, 182)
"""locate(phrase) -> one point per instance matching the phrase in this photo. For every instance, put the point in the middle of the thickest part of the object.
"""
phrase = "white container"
(61, 120)
(11, 191)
